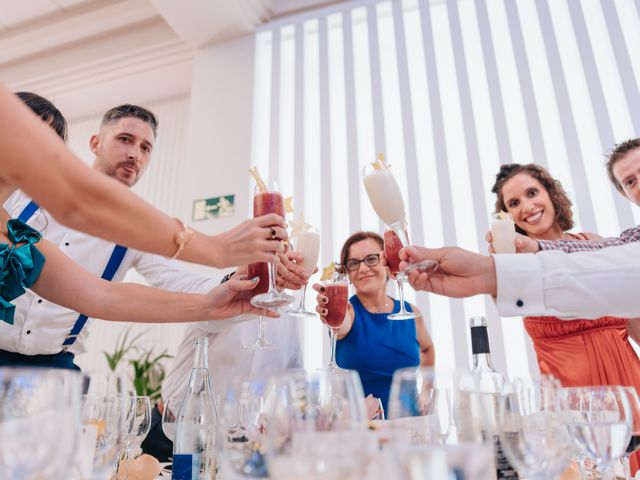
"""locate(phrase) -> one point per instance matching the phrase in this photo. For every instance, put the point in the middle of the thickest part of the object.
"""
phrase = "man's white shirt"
(571, 285)
(40, 327)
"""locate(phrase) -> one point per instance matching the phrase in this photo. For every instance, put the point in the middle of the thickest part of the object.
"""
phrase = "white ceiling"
(84, 53)
(16, 13)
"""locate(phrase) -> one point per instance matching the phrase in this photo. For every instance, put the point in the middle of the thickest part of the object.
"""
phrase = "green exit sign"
(214, 207)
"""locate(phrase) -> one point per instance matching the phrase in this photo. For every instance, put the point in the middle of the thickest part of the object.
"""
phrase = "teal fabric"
(21, 264)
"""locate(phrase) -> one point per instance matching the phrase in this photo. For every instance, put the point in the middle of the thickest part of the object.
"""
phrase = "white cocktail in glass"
(386, 199)
(306, 242)
(503, 232)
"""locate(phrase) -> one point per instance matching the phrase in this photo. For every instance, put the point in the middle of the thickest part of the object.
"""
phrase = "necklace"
(375, 308)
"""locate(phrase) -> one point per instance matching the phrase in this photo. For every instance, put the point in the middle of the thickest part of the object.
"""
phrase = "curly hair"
(355, 238)
(618, 152)
(559, 198)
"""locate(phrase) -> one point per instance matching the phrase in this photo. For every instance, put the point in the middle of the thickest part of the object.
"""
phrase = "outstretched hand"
(460, 273)
(255, 240)
(233, 298)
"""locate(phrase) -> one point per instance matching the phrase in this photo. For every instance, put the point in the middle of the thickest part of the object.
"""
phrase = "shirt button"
(66, 244)
(39, 300)
(519, 303)
(28, 332)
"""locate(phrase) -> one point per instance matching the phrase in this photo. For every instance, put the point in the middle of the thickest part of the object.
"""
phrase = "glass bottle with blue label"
(194, 446)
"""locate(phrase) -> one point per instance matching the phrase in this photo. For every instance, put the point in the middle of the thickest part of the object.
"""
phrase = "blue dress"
(375, 347)
(20, 265)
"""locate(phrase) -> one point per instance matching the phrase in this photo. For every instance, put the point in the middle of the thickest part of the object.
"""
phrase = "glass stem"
(400, 293)
(626, 467)
(272, 276)
(304, 292)
(334, 337)
(260, 328)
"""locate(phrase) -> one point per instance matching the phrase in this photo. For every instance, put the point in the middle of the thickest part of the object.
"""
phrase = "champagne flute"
(308, 244)
(634, 443)
(266, 202)
(337, 290)
(137, 427)
(386, 199)
(392, 246)
(260, 270)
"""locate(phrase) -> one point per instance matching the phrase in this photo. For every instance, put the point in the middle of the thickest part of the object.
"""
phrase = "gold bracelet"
(182, 237)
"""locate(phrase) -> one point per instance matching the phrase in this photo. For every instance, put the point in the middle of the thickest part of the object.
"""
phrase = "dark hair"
(619, 151)
(131, 111)
(559, 198)
(46, 110)
(355, 238)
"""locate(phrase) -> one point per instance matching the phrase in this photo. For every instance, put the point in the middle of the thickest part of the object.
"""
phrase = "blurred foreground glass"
(600, 419)
(420, 402)
(634, 443)
(316, 426)
(242, 428)
(533, 428)
(39, 422)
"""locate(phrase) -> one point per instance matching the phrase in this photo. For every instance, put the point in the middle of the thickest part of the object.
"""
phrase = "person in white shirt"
(43, 332)
(578, 285)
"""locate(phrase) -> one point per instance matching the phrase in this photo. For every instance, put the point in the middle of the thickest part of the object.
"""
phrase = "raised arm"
(34, 159)
(64, 282)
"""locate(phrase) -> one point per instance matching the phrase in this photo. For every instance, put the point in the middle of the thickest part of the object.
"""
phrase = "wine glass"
(337, 290)
(261, 271)
(39, 422)
(316, 426)
(137, 425)
(634, 443)
(105, 404)
(264, 203)
(392, 246)
(308, 244)
(600, 420)
(533, 433)
(386, 199)
(169, 415)
(420, 402)
(242, 427)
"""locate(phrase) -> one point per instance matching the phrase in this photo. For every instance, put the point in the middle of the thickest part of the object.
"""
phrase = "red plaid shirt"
(571, 246)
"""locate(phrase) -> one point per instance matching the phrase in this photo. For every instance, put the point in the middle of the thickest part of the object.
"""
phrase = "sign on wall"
(214, 207)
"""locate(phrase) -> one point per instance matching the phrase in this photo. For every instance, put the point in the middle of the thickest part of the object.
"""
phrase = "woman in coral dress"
(577, 352)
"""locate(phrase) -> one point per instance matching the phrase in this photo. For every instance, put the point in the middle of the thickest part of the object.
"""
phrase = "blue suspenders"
(109, 271)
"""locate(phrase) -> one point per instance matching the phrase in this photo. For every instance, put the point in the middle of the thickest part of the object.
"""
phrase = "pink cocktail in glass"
(260, 270)
(392, 247)
(266, 202)
(337, 290)
(337, 306)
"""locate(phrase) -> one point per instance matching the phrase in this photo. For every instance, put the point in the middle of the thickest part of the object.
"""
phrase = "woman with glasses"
(368, 341)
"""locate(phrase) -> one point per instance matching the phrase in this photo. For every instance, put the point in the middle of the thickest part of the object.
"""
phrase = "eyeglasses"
(370, 261)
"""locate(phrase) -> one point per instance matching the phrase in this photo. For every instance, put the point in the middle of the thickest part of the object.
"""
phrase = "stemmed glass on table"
(337, 291)
(386, 199)
(600, 420)
(136, 428)
(316, 426)
(421, 401)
